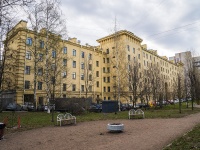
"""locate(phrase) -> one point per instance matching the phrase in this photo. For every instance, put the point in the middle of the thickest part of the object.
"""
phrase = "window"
(97, 83)
(104, 69)
(90, 88)
(29, 41)
(64, 95)
(64, 50)
(107, 51)
(108, 98)
(82, 76)
(73, 87)
(134, 59)
(82, 88)
(139, 65)
(41, 44)
(90, 77)
(97, 73)
(134, 50)
(90, 67)
(108, 79)
(53, 54)
(108, 60)
(40, 57)
(129, 57)
(82, 65)
(104, 79)
(82, 54)
(130, 97)
(143, 54)
(147, 56)
(39, 85)
(138, 56)
(128, 47)
(28, 55)
(144, 63)
(64, 74)
(40, 71)
(108, 89)
(27, 84)
(108, 70)
(74, 64)
(97, 63)
(74, 75)
(104, 60)
(53, 67)
(90, 56)
(64, 86)
(64, 62)
(27, 70)
(104, 89)
(74, 52)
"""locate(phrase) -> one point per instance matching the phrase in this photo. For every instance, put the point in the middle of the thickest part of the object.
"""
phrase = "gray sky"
(169, 26)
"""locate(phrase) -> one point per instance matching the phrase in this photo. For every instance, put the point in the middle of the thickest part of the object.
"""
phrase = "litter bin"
(2, 126)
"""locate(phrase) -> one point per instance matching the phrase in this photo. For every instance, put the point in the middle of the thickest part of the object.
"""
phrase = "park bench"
(132, 113)
(66, 119)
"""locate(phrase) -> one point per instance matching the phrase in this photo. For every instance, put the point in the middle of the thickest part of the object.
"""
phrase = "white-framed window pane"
(82, 65)
(74, 52)
(64, 50)
(53, 54)
(27, 70)
(74, 64)
(82, 54)
(27, 85)
(29, 41)
(74, 75)
(28, 55)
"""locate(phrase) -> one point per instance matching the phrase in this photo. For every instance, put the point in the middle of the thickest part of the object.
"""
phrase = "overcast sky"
(169, 26)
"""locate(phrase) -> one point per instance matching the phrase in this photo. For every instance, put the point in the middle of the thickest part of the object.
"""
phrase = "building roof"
(121, 32)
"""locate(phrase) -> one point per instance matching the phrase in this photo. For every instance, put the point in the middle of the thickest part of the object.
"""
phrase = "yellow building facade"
(69, 69)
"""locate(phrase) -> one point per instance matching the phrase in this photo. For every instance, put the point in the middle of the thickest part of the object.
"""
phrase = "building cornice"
(119, 33)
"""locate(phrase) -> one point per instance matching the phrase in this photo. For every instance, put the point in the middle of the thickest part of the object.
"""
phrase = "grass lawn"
(31, 120)
(189, 141)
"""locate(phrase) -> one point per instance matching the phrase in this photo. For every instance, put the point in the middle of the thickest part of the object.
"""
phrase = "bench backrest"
(68, 116)
(132, 112)
(60, 117)
(139, 111)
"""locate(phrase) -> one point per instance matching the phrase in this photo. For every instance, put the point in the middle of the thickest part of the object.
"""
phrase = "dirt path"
(141, 134)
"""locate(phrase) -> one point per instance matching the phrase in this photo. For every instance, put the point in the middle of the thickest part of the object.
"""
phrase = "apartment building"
(65, 68)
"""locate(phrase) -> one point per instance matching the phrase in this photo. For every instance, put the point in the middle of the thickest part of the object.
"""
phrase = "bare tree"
(6, 22)
(190, 78)
(156, 82)
(135, 81)
(147, 86)
(88, 73)
(53, 25)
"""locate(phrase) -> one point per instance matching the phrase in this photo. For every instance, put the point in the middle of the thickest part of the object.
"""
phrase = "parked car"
(28, 106)
(14, 107)
(95, 108)
(141, 105)
(42, 108)
(125, 107)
